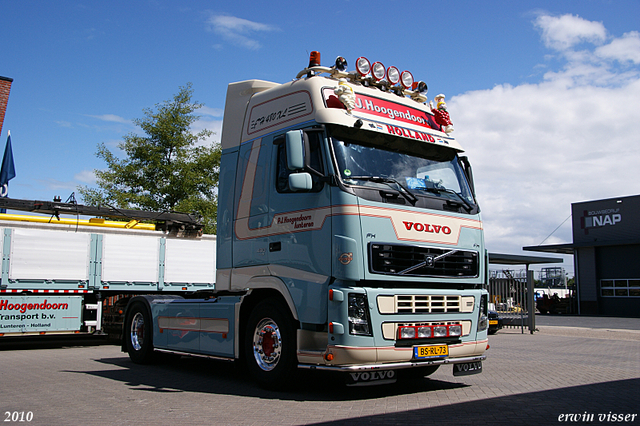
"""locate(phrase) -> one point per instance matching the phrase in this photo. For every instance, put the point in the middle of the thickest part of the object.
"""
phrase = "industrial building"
(606, 255)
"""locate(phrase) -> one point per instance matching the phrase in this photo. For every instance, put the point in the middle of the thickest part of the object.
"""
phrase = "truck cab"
(349, 235)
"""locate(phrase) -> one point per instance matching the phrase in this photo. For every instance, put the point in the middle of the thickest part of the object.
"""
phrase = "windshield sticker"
(347, 172)
(416, 183)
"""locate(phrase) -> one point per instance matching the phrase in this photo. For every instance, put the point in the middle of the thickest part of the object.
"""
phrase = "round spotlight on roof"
(393, 75)
(363, 66)
(406, 79)
(377, 71)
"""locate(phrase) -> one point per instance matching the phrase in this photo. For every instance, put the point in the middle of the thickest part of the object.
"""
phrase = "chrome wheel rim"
(137, 331)
(267, 344)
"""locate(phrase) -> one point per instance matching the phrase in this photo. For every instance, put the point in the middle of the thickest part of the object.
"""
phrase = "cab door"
(300, 239)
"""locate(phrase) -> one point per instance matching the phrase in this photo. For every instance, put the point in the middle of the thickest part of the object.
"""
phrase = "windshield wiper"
(388, 180)
(438, 190)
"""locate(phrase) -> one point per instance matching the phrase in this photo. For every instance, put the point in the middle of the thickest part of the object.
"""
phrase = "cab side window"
(315, 161)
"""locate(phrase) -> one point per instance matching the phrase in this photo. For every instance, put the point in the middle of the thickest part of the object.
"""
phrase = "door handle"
(277, 246)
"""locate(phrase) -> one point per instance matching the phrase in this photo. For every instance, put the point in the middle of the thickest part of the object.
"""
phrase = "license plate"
(467, 368)
(434, 351)
(493, 322)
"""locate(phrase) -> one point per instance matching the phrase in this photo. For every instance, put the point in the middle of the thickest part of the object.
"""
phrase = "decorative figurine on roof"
(346, 95)
(441, 114)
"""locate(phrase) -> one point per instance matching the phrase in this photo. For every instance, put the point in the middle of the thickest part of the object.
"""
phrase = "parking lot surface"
(528, 379)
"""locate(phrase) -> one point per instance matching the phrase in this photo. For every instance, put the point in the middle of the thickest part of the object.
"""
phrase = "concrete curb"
(593, 333)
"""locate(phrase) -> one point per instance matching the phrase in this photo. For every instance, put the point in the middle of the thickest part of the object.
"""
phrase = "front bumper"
(393, 365)
(349, 358)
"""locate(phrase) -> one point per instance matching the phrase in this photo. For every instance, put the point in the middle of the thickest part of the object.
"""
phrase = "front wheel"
(138, 334)
(270, 344)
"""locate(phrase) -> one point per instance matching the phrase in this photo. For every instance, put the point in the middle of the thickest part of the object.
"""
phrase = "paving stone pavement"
(527, 380)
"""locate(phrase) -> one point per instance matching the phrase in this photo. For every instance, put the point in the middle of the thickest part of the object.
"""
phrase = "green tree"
(165, 170)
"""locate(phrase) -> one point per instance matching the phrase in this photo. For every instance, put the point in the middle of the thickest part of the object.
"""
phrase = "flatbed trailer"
(70, 275)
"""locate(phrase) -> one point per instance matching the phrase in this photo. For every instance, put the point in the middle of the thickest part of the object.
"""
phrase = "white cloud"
(213, 112)
(563, 32)
(57, 185)
(238, 31)
(210, 119)
(592, 55)
(111, 118)
(86, 176)
(626, 48)
(205, 123)
(537, 148)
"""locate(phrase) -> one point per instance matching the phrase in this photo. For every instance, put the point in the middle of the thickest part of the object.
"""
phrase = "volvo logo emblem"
(429, 261)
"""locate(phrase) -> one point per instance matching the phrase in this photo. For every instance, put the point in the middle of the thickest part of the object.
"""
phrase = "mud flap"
(370, 378)
(465, 369)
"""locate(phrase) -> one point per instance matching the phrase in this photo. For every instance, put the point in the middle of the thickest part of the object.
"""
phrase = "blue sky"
(544, 95)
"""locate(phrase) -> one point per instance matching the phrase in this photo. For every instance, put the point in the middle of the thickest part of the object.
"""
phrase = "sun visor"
(427, 149)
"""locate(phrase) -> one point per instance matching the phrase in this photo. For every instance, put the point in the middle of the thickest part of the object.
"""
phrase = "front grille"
(419, 304)
(408, 260)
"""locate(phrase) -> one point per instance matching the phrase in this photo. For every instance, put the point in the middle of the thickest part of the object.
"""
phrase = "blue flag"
(8, 170)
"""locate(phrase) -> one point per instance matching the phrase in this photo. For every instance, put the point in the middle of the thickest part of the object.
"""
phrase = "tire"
(139, 334)
(270, 345)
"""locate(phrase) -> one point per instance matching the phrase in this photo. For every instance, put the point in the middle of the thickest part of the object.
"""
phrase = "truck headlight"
(455, 330)
(407, 332)
(359, 320)
(424, 332)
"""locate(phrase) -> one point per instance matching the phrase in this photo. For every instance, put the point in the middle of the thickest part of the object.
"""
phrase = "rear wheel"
(270, 344)
(138, 334)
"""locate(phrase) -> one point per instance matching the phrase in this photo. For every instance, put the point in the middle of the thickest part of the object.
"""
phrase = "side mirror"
(300, 181)
(295, 149)
(466, 166)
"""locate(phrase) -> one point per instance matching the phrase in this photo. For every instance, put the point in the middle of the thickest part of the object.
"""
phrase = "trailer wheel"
(138, 334)
(270, 344)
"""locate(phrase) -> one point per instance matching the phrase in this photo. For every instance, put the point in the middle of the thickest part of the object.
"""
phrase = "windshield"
(410, 175)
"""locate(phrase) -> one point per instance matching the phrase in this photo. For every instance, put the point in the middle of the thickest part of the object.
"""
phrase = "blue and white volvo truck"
(349, 236)
(349, 239)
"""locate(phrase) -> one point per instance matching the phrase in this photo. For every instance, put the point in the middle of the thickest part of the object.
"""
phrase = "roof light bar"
(367, 74)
